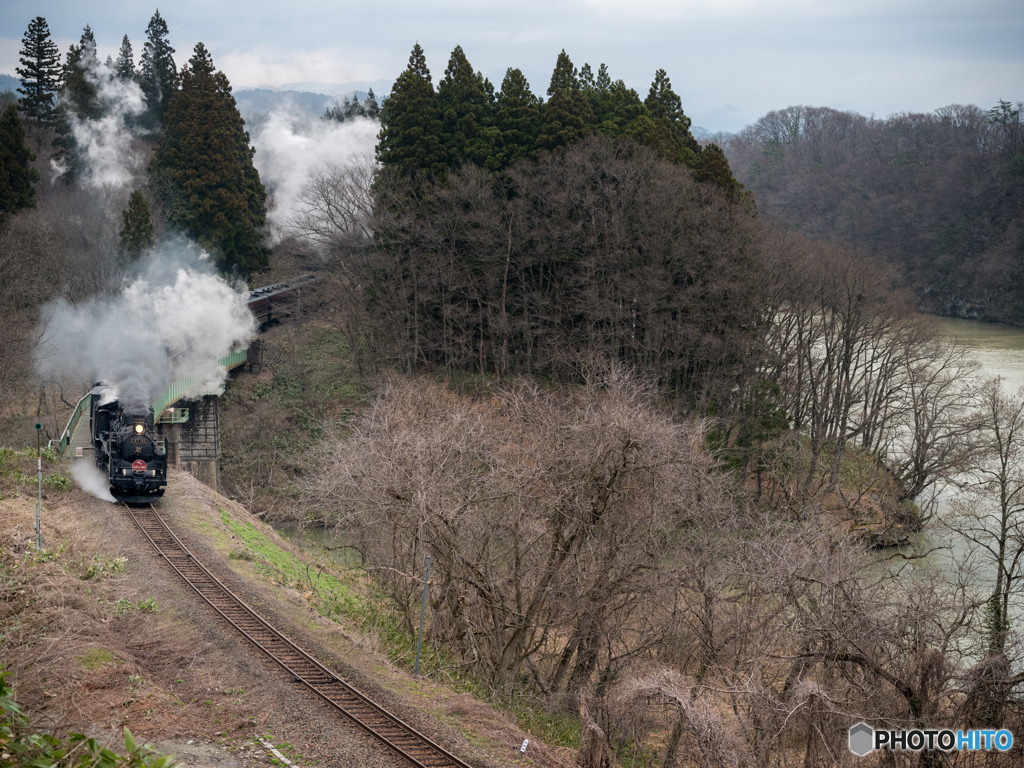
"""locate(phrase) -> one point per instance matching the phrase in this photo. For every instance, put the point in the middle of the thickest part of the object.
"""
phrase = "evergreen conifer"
(467, 114)
(666, 108)
(517, 116)
(79, 101)
(204, 154)
(157, 72)
(564, 77)
(586, 77)
(597, 90)
(409, 137)
(567, 116)
(620, 109)
(713, 168)
(40, 72)
(66, 156)
(80, 72)
(371, 106)
(125, 64)
(353, 108)
(137, 226)
(16, 171)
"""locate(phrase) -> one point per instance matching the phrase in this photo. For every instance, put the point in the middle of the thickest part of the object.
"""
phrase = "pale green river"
(999, 351)
(998, 348)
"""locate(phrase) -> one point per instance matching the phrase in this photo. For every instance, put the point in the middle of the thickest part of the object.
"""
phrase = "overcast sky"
(730, 60)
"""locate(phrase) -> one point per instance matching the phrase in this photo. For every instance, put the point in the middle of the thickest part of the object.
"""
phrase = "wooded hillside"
(941, 193)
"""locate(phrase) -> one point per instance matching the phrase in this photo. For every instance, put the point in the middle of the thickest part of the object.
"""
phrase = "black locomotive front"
(127, 450)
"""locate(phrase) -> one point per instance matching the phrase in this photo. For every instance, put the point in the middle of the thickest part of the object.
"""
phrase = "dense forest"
(670, 458)
(941, 194)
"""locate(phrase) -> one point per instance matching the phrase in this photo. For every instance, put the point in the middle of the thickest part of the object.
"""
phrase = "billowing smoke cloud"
(110, 153)
(175, 319)
(91, 480)
(291, 150)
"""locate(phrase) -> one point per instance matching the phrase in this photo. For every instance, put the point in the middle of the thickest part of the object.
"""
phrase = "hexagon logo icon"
(862, 738)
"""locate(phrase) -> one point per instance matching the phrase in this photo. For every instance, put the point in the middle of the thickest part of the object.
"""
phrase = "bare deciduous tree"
(550, 519)
(989, 513)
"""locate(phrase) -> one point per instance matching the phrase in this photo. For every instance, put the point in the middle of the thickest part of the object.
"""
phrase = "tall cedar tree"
(620, 109)
(16, 171)
(40, 72)
(666, 108)
(79, 101)
(517, 117)
(125, 64)
(157, 72)
(80, 71)
(567, 116)
(137, 226)
(467, 113)
(371, 106)
(410, 131)
(352, 108)
(205, 155)
(596, 89)
(713, 168)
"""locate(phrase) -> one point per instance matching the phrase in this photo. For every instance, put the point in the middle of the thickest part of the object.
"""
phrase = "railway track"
(303, 668)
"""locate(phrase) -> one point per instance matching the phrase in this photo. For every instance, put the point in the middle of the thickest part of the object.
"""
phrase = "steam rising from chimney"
(110, 153)
(291, 150)
(175, 319)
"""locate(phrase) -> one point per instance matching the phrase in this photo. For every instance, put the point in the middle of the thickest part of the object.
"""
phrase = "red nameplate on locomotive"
(138, 466)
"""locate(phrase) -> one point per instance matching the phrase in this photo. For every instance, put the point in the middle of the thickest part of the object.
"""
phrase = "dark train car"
(127, 450)
(272, 302)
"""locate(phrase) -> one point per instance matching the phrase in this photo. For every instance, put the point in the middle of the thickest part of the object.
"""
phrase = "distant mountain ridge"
(380, 88)
(307, 99)
(9, 83)
(254, 104)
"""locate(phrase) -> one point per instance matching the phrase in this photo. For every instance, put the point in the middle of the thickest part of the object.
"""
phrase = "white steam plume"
(110, 152)
(175, 319)
(91, 480)
(291, 151)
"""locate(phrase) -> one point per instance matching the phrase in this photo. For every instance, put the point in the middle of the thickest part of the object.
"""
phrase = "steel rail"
(303, 668)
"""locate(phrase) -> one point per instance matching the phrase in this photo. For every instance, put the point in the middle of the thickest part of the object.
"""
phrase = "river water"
(998, 348)
(999, 351)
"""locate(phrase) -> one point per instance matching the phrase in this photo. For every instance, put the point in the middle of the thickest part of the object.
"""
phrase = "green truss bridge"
(163, 406)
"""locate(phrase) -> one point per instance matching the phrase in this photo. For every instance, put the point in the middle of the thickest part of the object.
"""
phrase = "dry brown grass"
(80, 660)
(79, 651)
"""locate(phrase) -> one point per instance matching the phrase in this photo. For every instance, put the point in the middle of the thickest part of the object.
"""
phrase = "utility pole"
(39, 497)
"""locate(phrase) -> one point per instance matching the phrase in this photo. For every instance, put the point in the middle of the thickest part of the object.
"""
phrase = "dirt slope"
(97, 635)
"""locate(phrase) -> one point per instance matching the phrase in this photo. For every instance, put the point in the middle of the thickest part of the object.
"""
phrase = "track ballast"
(303, 668)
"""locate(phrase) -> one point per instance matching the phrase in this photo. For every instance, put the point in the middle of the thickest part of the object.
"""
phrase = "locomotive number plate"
(138, 466)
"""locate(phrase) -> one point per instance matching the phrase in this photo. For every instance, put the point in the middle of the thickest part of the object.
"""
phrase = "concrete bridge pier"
(194, 445)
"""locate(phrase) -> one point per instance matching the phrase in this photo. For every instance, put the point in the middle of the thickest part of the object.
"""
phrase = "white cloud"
(880, 55)
(263, 66)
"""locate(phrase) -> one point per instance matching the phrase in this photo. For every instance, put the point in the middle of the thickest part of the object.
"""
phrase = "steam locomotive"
(127, 449)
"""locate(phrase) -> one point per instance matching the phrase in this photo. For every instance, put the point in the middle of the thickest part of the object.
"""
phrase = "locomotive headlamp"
(139, 428)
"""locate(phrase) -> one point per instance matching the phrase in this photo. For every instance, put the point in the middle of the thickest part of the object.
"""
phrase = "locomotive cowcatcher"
(127, 449)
